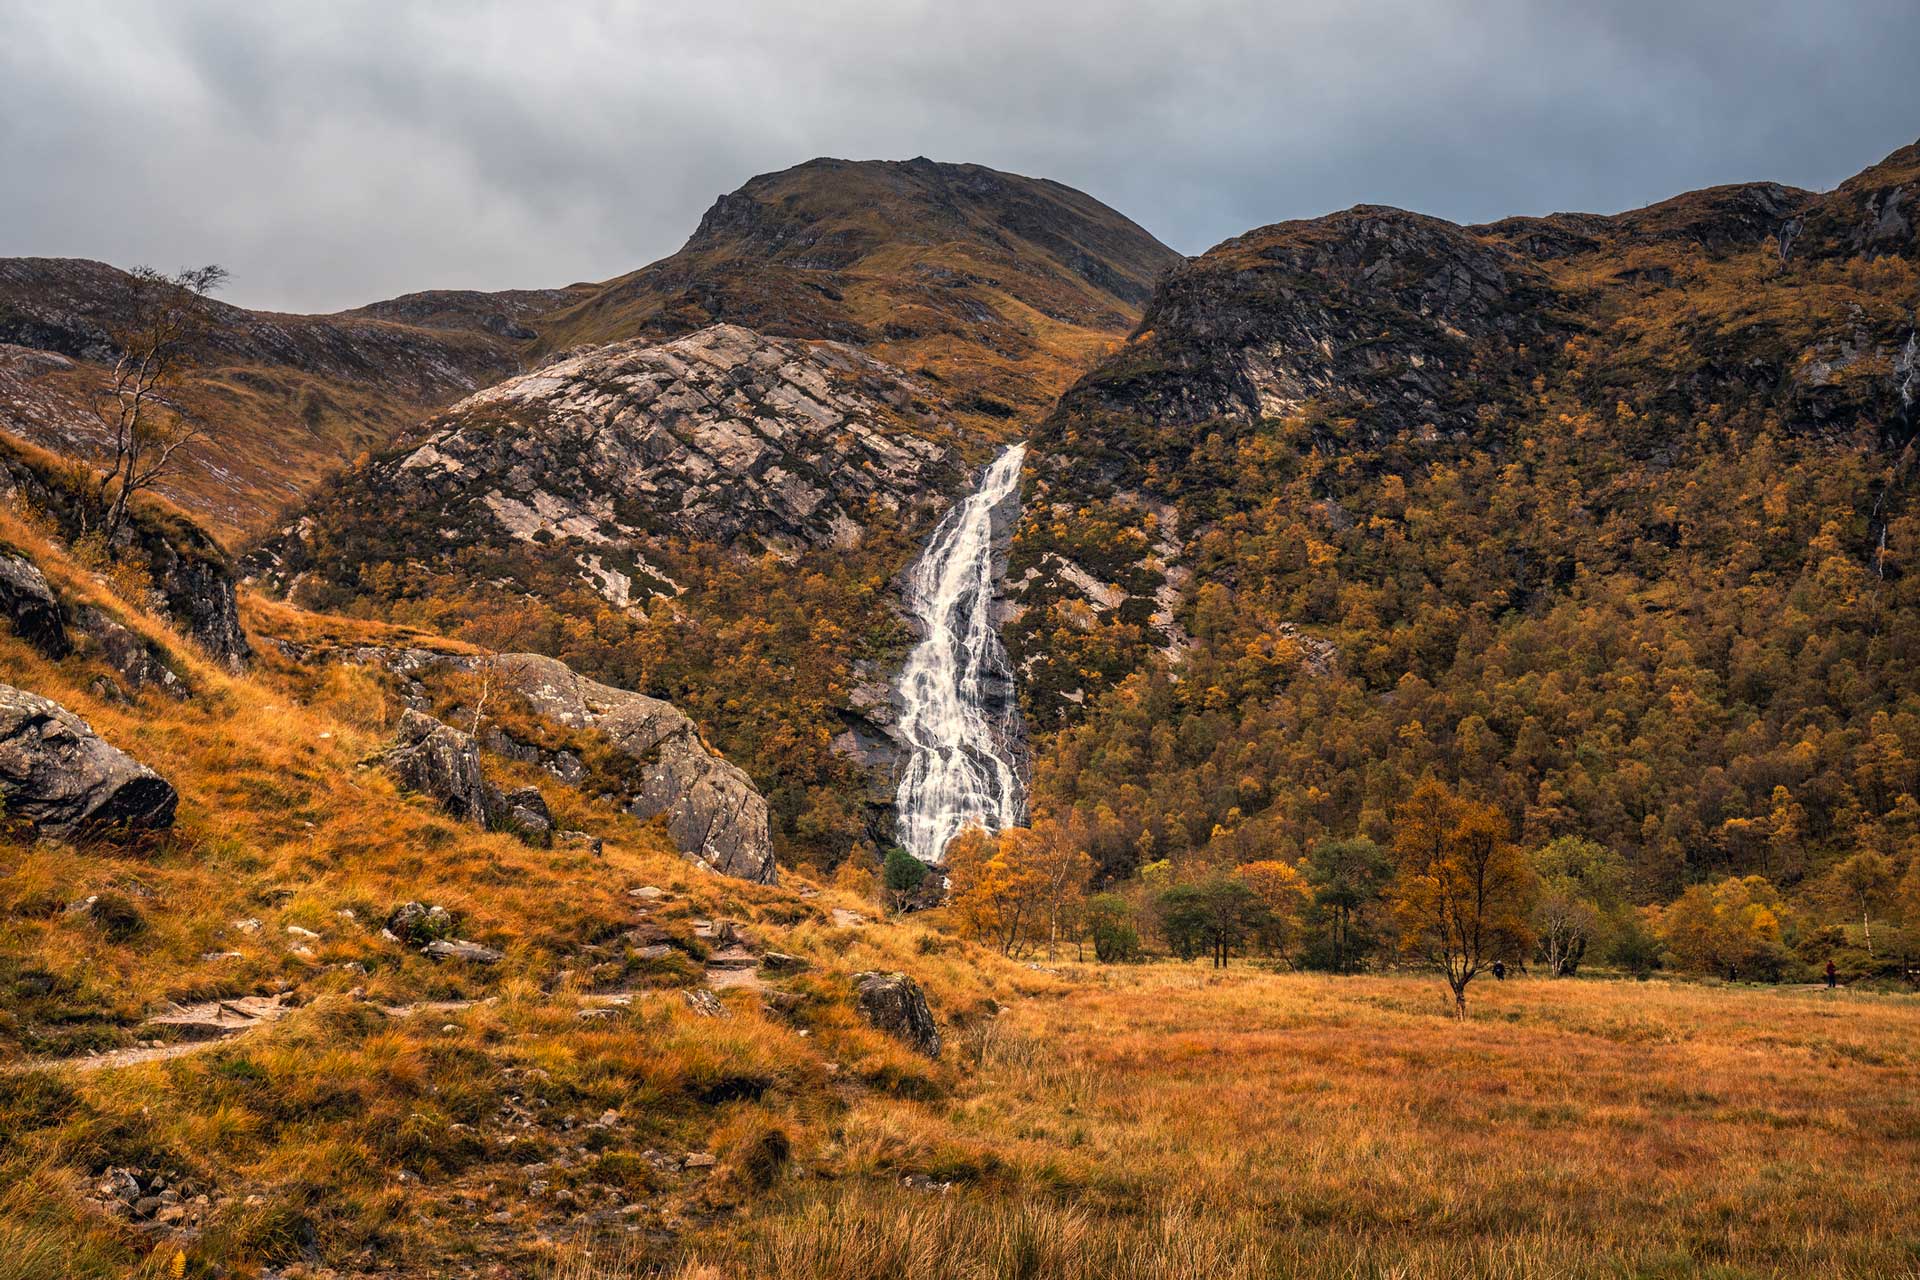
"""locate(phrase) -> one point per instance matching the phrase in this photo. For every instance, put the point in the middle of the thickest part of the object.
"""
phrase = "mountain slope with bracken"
(1611, 518)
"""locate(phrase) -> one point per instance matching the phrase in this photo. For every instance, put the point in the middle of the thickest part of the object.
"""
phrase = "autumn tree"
(1733, 927)
(1283, 896)
(996, 891)
(145, 430)
(1463, 890)
(1057, 850)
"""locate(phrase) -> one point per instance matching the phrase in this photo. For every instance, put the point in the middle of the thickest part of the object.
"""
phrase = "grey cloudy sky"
(334, 153)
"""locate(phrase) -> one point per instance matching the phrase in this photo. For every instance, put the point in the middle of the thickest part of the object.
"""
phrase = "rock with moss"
(61, 777)
(894, 1003)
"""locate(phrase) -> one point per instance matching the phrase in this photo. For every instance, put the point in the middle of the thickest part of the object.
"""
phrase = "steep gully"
(958, 715)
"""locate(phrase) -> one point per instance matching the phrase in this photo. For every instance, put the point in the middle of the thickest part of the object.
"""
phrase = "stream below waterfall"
(958, 715)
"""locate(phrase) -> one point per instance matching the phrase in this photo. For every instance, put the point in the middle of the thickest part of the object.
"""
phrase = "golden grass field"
(1164, 1121)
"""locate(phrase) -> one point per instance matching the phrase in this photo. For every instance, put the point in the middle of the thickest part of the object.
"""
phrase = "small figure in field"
(1500, 970)
(1833, 975)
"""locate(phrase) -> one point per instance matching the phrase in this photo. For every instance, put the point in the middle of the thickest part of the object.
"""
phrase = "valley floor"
(1164, 1121)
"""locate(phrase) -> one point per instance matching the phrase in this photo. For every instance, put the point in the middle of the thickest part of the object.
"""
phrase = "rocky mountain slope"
(641, 511)
(1003, 288)
(285, 398)
(1497, 502)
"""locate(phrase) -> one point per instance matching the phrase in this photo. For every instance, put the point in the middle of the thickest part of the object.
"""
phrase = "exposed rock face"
(894, 1003)
(722, 436)
(193, 580)
(31, 607)
(524, 811)
(56, 773)
(139, 662)
(713, 812)
(441, 762)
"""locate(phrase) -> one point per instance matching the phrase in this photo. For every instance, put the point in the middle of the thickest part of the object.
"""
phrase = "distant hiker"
(1500, 970)
(1833, 975)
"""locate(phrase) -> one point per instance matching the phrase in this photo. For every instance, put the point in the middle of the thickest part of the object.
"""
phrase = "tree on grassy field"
(1867, 881)
(145, 432)
(1109, 922)
(1346, 877)
(1283, 895)
(1217, 915)
(1582, 897)
(1734, 927)
(1463, 890)
(996, 890)
(901, 874)
(1058, 853)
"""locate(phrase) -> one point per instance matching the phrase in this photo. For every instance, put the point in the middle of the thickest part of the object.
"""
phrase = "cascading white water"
(956, 689)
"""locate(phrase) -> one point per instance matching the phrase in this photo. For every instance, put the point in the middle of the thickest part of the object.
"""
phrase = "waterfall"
(956, 691)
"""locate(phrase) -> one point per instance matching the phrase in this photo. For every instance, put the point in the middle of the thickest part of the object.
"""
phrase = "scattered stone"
(733, 958)
(845, 919)
(592, 844)
(922, 1182)
(647, 893)
(298, 932)
(699, 1160)
(248, 925)
(61, 777)
(894, 1003)
(781, 962)
(419, 922)
(655, 951)
(704, 1003)
(459, 949)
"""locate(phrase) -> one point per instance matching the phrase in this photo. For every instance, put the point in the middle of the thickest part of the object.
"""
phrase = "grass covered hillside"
(1002, 288)
(216, 1056)
(1609, 521)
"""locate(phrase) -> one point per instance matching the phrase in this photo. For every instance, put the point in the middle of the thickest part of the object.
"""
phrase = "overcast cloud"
(334, 153)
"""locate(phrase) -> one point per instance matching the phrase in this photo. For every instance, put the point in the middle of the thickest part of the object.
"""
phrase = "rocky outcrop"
(894, 1003)
(30, 606)
(712, 810)
(192, 578)
(443, 763)
(586, 465)
(137, 660)
(61, 777)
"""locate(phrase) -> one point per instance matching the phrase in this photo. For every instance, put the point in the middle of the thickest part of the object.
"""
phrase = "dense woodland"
(1649, 599)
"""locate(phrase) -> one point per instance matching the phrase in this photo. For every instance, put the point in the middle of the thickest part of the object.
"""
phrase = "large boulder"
(30, 605)
(713, 812)
(894, 1003)
(59, 775)
(443, 763)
